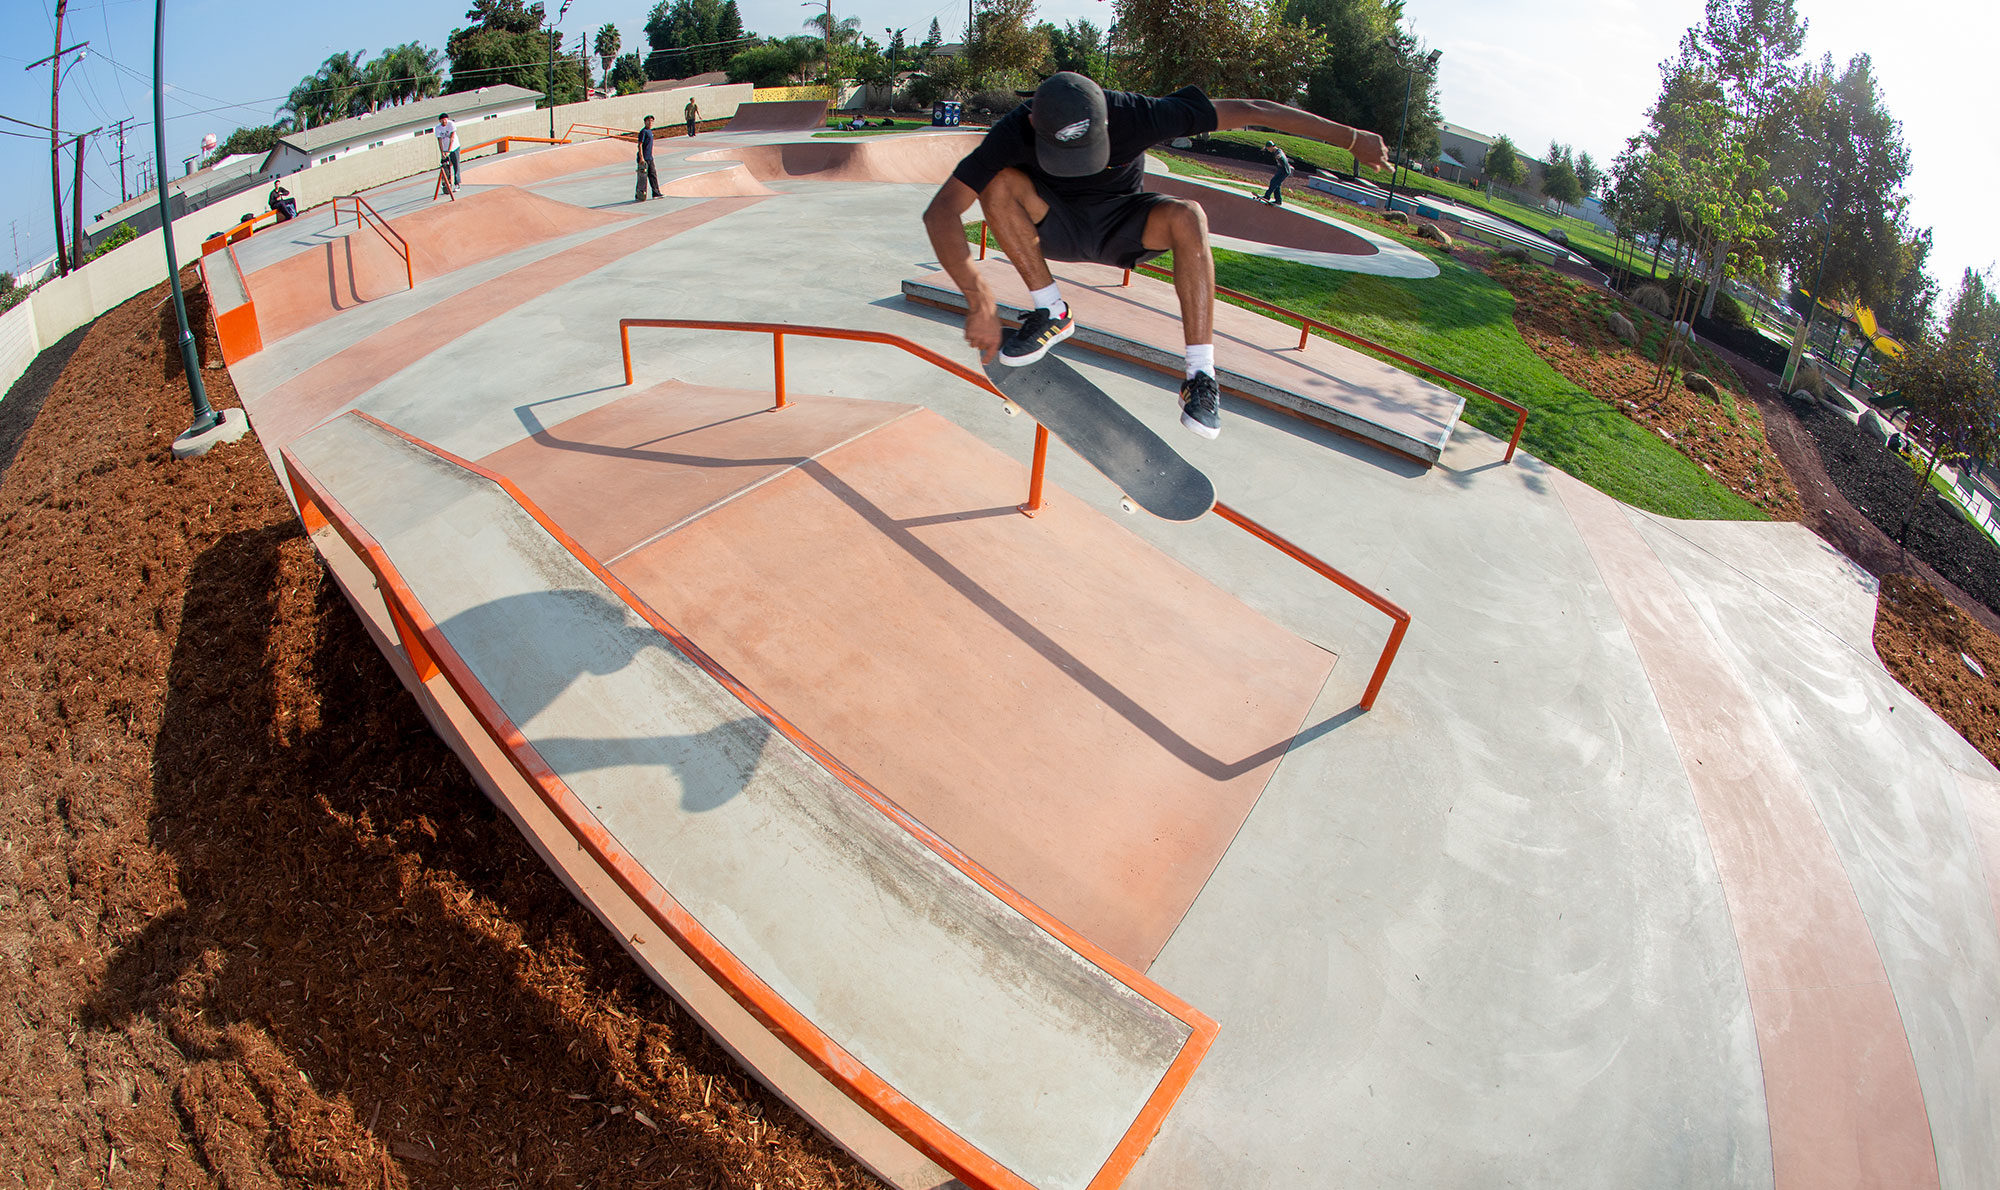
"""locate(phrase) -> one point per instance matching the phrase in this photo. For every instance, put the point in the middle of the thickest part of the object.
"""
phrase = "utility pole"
(76, 198)
(55, 138)
(119, 131)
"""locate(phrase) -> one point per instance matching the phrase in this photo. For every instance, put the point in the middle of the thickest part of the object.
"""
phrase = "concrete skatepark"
(954, 823)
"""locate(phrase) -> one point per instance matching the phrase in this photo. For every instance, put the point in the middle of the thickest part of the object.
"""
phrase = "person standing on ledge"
(692, 115)
(1061, 178)
(1275, 192)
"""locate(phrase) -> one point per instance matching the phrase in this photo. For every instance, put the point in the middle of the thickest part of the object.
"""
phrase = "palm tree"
(606, 46)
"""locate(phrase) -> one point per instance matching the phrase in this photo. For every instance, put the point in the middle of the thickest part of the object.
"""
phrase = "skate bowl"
(918, 158)
(363, 265)
(730, 181)
(785, 115)
(1240, 217)
(539, 165)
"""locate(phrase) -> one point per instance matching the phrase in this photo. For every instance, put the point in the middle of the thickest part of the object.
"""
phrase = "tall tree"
(1004, 49)
(605, 46)
(1589, 176)
(628, 75)
(932, 41)
(1079, 46)
(1371, 63)
(1235, 48)
(506, 44)
(685, 37)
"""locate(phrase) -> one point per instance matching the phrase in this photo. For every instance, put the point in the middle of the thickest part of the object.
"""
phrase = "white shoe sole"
(1197, 427)
(1022, 361)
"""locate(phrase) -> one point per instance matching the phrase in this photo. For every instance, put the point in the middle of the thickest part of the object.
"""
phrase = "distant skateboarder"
(647, 174)
(693, 116)
(447, 137)
(1061, 178)
(1275, 192)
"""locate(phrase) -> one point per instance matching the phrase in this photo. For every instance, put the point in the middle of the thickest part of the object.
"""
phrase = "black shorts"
(1104, 231)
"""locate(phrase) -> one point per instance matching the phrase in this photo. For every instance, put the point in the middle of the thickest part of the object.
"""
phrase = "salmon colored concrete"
(729, 180)
(1083, 716)
(918, 157)
(1245, 218)
(781, 115)
(1839, 1081)
(311, 287)
(539, 165)
(620, 475)
(325, 388)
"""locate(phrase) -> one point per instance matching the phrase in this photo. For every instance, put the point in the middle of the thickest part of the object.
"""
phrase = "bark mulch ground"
(257, 925)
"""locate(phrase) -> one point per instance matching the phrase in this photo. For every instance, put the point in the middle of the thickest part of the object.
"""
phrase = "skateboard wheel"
(1125, 504)
(1012, 409)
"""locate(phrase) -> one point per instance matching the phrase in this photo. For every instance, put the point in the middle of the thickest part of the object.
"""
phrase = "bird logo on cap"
(1070, 132)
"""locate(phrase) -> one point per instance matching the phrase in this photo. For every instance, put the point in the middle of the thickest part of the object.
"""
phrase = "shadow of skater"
(540, 654)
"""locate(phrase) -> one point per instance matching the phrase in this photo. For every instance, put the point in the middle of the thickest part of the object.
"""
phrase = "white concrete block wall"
(62, 305)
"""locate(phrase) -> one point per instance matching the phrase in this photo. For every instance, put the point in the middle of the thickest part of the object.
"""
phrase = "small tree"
(1589, 176)
(1559, 180)
(931, 43)
(1503, 164)
(1948, 382)
(628, 77)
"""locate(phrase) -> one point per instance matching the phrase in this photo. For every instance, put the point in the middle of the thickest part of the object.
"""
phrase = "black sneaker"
(1038, 332)
(1201, 405)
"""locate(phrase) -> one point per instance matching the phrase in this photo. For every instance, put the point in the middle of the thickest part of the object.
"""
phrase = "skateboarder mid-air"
(1061, 178)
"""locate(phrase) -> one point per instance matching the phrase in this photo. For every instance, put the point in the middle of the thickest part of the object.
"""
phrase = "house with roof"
(358, 134)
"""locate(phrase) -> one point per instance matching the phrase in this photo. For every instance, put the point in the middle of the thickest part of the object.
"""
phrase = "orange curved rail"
(601, 131)
(778, 331)
(430, 654)
(390, 235)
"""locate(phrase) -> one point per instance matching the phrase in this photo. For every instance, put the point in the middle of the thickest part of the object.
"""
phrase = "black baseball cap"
(1071, 140)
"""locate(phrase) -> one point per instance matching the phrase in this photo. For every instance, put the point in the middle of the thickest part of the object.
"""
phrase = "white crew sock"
(1049, 298)
(1200, 358)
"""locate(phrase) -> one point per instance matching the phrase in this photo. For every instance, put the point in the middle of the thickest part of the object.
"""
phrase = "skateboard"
(1148, 471)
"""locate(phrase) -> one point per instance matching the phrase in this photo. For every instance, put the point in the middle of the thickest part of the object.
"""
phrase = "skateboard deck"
(1149, 472)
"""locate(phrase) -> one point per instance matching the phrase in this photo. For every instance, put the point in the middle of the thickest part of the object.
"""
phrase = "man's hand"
(982, 329)
(1369, 150)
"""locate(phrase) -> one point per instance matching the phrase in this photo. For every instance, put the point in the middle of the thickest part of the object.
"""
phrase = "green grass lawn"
(1584, 236)
(1463, 322)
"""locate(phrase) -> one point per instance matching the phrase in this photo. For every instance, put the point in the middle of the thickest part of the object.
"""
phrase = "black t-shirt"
(1134, 123)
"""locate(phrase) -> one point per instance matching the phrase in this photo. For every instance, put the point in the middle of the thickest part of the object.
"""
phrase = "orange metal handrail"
(382, 228)
(778, 331)
(502, 142)
(431, 655)
(601, 131)
(242, 231)
(1308, 324)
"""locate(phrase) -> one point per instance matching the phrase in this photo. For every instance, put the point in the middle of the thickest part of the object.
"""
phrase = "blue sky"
(1579, 71)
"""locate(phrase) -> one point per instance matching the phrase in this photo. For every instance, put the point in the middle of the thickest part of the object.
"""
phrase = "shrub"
(1652, 299)
(1515, 254)
(1808, 379)
(994, 100)
(1729, 312)
(119, 237)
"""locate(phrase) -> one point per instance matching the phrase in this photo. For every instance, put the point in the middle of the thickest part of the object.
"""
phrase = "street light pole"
(205, 416)
(1402, 126)
(560, 14)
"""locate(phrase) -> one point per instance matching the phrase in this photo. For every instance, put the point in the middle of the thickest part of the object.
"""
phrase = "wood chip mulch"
(258, 927)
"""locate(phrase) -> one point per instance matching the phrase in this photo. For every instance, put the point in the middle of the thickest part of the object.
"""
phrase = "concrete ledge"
(1425, 447)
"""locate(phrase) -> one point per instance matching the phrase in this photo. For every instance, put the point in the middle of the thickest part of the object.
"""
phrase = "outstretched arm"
(944, 220)
(1366, 146)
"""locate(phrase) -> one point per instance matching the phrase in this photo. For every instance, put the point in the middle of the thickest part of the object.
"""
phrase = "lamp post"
(1430, 61)
(205, 416)
(560, 14)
